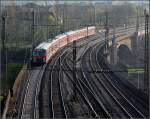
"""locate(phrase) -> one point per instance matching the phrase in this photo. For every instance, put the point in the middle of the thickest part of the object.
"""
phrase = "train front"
(39, 56)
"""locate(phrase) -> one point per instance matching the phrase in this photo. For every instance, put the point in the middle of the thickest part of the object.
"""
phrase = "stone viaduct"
(126, 42)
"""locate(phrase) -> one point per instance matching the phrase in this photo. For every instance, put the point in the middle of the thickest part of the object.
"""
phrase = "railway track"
(84, 84)
(81, 92)
(131, 95)
(125, 112)
(57, 99)
(88, 96)
(56, 107)
(100, 90)
(52, 84)
(131, 109)
(29, 109)
(53, 100)
(102, 81)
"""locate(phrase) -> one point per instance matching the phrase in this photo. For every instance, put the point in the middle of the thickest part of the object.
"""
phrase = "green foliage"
(1, 98)
(12, 72)
(135, 70)
(51, 19)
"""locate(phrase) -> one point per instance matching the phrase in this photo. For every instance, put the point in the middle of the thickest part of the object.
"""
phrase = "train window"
(39, 53)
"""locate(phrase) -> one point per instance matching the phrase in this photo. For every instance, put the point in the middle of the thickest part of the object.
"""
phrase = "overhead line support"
(146, 54)
(3, 48)
(74, 68)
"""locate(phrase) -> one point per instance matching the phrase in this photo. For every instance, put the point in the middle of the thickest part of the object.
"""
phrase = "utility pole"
(3, 55)
(55, 9)
(146, 54)
(135, 40)
(74, 69)
(94, 14)
(137, 21)
(33, 23)
(47, 33)
(137, 30)
(87, 31)
(114, 47)
(32, 34)
(65, 18)
(134, 43)
(149, 7)
(106, 33)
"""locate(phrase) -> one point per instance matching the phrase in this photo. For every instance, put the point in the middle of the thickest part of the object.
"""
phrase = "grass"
(135, 70)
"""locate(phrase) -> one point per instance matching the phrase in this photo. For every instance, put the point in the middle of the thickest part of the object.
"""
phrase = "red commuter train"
(43, 52)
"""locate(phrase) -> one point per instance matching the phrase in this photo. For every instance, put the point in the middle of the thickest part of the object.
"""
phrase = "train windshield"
(39, 53)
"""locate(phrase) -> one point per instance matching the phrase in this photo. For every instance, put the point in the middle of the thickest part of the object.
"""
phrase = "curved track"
(104, 95)
(99, 90)
(122, 104)
(137, 101)
(56, 107)
(51, 99)
(29, 108)
(89, 96)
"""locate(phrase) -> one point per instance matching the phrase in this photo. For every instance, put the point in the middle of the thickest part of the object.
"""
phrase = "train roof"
(71, 32)
(44, 46)
(91, 26)
(60, 36)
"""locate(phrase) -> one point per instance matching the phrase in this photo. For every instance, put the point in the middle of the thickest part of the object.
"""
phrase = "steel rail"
(46, 110)
(94, 89)
(52, 79)
(28, 83)
(84, 89)
(85, 86)
(103, 84)
(82, 93)
(93, 92)
(119, 92)
(31, 85)
(128, 114)
(79, 88)
(23, 95)
(87, 80)
(35, 104)
(140, 98)
(54, 55)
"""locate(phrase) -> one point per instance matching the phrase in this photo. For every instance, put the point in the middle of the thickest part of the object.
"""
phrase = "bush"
(12, 72)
